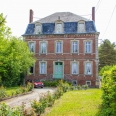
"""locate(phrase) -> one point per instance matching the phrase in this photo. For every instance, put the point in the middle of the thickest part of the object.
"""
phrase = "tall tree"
(107, 54)
(15, 57)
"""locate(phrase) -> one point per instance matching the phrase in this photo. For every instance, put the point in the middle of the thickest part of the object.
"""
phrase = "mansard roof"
(64, 16)
(70, 24)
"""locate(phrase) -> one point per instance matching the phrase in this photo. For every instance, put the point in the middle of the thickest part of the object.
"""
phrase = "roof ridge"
(64, 16)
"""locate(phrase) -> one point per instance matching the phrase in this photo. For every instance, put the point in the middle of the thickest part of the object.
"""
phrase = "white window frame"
(38, 28)
(61, 28)
(89, 49)
(89, 82)
(40, 49)
(85, 67)
(31, 46)
(74, 46)
(81, 29)
(56, 47)
(77, 71)
(40, 67)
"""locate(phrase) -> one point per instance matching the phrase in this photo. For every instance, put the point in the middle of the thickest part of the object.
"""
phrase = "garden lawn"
(11, 89)
(77, 103)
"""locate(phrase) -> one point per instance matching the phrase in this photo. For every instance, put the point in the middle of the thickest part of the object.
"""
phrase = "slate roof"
(64, 16)
(70, 22)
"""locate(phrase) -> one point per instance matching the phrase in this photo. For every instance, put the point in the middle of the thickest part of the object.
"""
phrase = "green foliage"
(18, 91)
(4, 30)
(15, 57)
(64, 85)
(109, 91)
(3, 93)
(39, 107)
(107, 54)
(50, 83)
(18, 60)
(5, 110)
(85, 86)
(29, 86)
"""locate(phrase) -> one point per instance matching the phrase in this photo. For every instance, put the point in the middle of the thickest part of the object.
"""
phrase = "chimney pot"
(93, 14)
(31, 16)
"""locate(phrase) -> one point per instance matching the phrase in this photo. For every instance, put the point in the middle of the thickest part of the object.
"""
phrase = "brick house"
(65, 46)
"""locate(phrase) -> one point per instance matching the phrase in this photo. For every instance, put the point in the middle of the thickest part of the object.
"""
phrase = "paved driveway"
(26, 99)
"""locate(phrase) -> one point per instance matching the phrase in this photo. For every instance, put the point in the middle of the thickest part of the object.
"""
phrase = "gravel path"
(26, 99)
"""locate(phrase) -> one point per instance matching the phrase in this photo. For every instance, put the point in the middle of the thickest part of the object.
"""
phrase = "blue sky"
(17, 12)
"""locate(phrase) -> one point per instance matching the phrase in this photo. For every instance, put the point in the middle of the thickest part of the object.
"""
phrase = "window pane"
(37, 29)
(81, 28)
(74, 68)
(31, 69)
(88, 47)
(88, 68)
(42, 68)
(74, 47)
(58, 47)
(58, 28)
(43, 47)
(31, 46)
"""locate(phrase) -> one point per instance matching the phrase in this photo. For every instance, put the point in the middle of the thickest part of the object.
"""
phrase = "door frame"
(62, 69)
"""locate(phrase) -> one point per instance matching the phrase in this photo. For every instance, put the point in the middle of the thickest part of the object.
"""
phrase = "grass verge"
(77, 103)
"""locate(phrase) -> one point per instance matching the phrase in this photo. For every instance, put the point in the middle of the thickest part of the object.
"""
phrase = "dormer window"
(59, 27)
(81, 27)
(38, 28)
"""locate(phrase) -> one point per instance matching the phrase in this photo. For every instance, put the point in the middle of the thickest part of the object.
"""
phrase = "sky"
(17, 12)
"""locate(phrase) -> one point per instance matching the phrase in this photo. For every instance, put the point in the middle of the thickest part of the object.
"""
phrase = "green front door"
(58, 70)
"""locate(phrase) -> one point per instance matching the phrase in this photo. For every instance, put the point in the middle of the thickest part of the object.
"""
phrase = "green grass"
(77, 103)
(11, 89)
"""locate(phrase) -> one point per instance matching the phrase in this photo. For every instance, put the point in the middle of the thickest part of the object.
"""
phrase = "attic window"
(38, 28)
(58, 27)
(81, 27)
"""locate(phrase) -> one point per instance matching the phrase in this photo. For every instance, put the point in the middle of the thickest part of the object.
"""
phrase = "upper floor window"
(74, 46)
(31, 69)
(59, 47)
(88, 68)
(32, 46)
(88, 47)
(43, 47)
(59, 27)
(81, 27)
(38, 28)
(75, 68)
(42, 67)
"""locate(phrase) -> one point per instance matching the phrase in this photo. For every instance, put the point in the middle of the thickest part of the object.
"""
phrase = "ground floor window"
(88, 83)
(88, 68)
(42, 67)
(74, 67)
(31, 70)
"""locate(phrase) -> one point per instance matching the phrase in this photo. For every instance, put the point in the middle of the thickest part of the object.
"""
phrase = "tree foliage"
(109, 91)
(107, 54)
(15, 57)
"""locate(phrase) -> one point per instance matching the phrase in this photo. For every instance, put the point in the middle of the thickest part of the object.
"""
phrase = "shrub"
(38, 106)
(50, 83)
(50, 99)
(5, 110)
(30, 86)
(109, 91)
(64, 85)
(3, 93)
(79, 87)
(85, 86)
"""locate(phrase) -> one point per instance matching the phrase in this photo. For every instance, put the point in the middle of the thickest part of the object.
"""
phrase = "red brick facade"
(66, 57)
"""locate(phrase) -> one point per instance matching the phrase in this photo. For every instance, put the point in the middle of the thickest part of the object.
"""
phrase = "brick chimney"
(93, 14)
(30, 16)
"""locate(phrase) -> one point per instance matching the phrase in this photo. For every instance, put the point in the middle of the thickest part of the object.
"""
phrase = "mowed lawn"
(77, 103)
